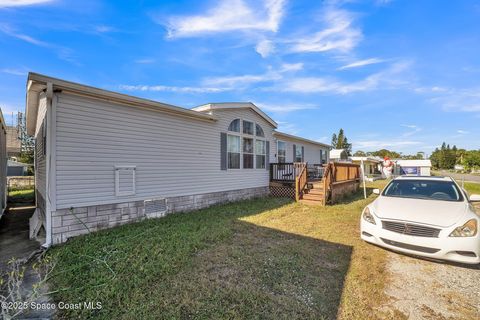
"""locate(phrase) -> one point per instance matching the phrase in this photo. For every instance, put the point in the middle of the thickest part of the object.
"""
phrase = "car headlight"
(367, 216)
(469, 229)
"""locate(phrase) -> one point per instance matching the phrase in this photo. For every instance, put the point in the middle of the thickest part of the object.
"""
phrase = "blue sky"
(402, 75)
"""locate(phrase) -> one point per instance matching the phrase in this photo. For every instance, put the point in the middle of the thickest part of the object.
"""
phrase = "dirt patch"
(422, 289)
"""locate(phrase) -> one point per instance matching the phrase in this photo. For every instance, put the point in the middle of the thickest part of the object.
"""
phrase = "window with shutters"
(125, 180)
(282, 151)
(233, 152)
(245, 146)
(298, 154)
(260, 154)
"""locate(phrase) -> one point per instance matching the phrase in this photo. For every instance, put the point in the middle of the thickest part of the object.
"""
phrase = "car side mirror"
(475, 197)
(376, 191)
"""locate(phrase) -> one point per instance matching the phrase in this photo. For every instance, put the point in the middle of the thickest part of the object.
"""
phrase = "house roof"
(12, 163)
(37, 83)
(336, 153)
(414, 163)
(292, 137)
(235, 105)
(371, 159)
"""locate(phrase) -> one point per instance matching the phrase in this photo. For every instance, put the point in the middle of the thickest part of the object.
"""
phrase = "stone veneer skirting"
(66, 225)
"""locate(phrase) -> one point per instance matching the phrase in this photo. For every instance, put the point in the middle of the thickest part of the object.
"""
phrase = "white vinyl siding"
(311, 151)
(40, 147)
(173, 155)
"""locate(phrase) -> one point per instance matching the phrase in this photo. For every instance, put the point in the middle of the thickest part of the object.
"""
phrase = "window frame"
(253, 137)
(298, 147)
(264, 154)
(278, 154)
(239, 136)
(118, 169)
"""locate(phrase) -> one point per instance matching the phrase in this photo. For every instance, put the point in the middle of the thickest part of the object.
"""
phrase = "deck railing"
(285, 172)
(301, 181)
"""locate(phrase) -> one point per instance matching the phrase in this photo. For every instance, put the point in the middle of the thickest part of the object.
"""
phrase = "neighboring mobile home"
(104, 158)
(413, 167)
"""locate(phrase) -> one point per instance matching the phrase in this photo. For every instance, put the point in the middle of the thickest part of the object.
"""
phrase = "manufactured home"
(103, 158)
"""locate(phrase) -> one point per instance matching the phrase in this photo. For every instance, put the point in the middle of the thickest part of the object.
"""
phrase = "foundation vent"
(155, 208)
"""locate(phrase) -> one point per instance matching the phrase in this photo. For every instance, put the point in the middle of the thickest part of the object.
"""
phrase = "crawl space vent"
(155, 208)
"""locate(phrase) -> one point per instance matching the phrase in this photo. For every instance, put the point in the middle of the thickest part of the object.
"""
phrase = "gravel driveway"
(422, 289)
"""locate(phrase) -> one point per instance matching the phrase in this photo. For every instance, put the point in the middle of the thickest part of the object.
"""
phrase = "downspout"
(48, 146)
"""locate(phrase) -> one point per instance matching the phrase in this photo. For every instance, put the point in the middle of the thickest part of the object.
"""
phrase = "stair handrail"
(301, 180)
(327, 180)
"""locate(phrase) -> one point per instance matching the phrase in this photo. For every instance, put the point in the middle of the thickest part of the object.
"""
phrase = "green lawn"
(21, 196)
(472, 188)
(265, 258)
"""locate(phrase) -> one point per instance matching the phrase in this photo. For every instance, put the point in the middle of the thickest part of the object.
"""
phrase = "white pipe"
(363, 175)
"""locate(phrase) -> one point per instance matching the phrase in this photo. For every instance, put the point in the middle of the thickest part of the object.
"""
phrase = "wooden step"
(315, 192)
(312, 202)
(314, 197)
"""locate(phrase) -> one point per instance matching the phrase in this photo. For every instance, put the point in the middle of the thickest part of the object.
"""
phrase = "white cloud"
(458, 100)
(63, 53)
(15, 72)
(145, 61)
(12, 33)
(383, 144)
(361, 63)
(382, 79)
(241, 80)
(265, 48)
(20, 3)
(285, 108)
(339, 34)
(462, 132)
(291, 67)
(414, 129)
(104, 29)
(229, 15)
(287, 127)
(172, 88)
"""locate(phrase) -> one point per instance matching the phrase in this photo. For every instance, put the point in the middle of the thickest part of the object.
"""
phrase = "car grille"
(410, 229)
(410, 246)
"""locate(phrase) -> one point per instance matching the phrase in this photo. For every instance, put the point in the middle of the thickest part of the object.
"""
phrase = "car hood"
(432, 212)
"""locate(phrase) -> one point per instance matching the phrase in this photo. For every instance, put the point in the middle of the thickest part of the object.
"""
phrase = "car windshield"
(424, 189)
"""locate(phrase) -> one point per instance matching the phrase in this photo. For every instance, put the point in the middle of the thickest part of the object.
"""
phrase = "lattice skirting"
(282, 191)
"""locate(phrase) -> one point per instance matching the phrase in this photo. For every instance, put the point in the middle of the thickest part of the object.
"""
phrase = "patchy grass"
(21, 196)
(265, 258)
(472, 188)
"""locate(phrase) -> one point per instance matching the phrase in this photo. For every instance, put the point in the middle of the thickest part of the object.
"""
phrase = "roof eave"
(283, 134)
(236, 105)
(37, 82)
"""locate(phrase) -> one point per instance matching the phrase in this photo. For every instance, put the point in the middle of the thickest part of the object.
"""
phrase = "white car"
(426, 216)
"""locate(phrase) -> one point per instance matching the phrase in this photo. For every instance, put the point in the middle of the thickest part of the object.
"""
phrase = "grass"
(265, 258)
(21, 196)
(472, 188)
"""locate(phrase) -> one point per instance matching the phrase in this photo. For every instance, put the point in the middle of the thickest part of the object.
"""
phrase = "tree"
(340, 141)
(471, 160)
(446, 157)
(360, 153)
(386, 153)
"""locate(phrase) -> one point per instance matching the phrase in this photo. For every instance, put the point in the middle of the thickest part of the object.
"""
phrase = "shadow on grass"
(358, 195)
(205, 264)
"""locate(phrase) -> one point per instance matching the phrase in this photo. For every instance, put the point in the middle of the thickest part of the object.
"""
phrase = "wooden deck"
(302, 182)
